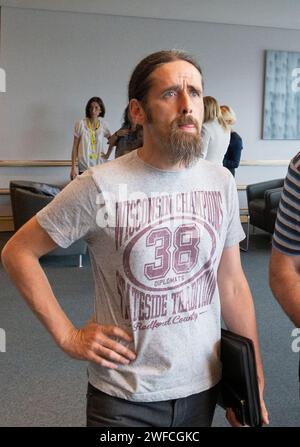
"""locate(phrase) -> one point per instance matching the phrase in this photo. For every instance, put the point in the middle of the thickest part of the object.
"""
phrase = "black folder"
(239, 385)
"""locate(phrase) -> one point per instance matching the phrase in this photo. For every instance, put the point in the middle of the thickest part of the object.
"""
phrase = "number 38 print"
(172, 253)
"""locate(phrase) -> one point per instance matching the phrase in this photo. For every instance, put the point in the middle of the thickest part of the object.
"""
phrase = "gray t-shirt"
(155, 239)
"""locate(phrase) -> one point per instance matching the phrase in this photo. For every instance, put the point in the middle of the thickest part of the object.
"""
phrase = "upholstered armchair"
(263, 200)
(27, 198)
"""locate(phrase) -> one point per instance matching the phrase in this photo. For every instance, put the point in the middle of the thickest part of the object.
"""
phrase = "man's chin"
(182, 131)
(187, 140)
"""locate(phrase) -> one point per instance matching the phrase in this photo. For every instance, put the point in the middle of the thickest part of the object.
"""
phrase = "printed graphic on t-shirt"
(169, 251)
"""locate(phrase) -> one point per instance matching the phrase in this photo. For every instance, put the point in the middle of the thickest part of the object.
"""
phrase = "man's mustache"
(188, 119)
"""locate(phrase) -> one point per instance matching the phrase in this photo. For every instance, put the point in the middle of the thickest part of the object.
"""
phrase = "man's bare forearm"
(28, 276)
(285, 284)
(92, 342)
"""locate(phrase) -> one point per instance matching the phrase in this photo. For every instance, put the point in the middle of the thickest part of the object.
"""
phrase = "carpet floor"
(41, 386)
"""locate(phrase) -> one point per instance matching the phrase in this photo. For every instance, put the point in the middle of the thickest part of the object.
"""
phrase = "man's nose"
(185, 103)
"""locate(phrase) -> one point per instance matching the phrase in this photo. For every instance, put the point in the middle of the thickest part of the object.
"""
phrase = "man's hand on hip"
(95, 342)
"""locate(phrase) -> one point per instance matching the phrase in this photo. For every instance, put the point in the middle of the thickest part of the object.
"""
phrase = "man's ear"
(137, 113)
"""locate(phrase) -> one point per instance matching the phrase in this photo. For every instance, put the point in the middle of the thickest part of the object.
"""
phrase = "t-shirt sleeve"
(72, 214)
(78, 128)
(286, 238)
(235, 232)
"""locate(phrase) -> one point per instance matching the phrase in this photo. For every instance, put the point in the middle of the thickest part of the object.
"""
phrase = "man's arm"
(285, 283)
(20, 257)
(238, 309)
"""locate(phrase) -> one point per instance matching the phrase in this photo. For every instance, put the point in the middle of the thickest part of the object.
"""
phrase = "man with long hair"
(163, 231)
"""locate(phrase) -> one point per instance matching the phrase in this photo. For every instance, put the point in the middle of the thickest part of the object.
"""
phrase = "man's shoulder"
(293, 174)
(213, 171)
(114, 166)
(84, 183)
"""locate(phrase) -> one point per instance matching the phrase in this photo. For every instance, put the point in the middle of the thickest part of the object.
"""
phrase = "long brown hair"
(140, 81)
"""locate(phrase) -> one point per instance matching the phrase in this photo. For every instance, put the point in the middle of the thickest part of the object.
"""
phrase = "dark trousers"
(192, 411)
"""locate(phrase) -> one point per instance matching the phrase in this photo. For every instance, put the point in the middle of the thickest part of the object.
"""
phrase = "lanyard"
(93, 154)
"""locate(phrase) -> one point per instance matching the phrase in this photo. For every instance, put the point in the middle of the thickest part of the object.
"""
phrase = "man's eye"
(170, 93)
(195, 93)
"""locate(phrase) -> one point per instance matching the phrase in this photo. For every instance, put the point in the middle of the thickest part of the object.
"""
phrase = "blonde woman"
(232, 156)
(89, 134)
(215, 132)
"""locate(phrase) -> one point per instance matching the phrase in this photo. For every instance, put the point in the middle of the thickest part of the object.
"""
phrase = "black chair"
(27, 198)
(263, 201)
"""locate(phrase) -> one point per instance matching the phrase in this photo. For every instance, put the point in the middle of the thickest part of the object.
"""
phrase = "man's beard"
(182, 147)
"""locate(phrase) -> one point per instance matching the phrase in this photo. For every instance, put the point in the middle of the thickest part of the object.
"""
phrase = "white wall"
(237, 12)
(55, 61)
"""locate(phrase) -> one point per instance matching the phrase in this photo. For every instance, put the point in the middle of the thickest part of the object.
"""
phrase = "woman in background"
(89, 134)
(215, 132)
(126, 139)
(232, 156)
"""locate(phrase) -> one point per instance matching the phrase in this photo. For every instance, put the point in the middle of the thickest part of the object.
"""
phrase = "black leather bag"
(239, 385)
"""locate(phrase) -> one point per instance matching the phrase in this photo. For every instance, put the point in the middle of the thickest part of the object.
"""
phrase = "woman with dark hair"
(89, 134)
(126, 139)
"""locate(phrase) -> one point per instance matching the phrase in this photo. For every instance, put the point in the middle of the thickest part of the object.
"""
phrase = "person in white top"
(89, 134)
(215, 132)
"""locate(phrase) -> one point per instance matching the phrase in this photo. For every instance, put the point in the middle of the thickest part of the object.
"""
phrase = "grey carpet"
(41, 386)
(280, 362)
